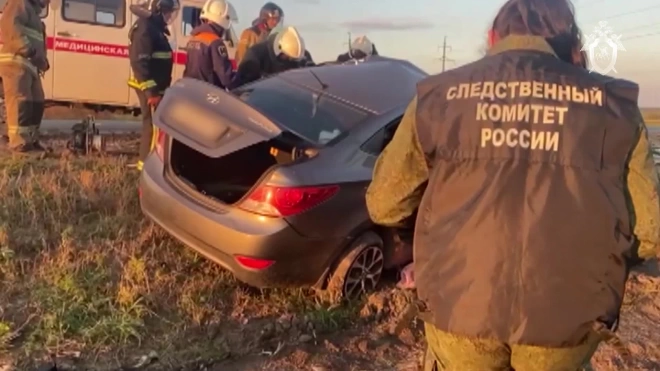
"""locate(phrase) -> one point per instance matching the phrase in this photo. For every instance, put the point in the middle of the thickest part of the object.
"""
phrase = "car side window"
(96, 12)
(43, 14)
(377, 143)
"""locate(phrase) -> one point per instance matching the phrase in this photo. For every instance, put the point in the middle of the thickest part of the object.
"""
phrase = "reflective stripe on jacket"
(6, 58)
(150, 55)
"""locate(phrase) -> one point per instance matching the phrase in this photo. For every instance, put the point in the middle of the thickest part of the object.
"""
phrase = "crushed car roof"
(377, 84)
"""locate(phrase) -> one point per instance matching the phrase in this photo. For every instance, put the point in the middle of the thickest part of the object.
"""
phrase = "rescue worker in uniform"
(207, 53)
(525, 224)
(270, 16)
(151, 60)
(282, 51)
(22, 63)
(360, 48)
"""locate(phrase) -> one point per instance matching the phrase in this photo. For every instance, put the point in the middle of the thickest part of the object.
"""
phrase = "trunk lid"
(210, 120)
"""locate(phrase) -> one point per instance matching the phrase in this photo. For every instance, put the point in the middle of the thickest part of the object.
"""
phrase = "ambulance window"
(97, 12)
(190, 19)
(43, 14)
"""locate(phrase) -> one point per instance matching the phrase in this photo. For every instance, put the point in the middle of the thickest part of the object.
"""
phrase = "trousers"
(449, 352)
(24, 104)
(147, 134)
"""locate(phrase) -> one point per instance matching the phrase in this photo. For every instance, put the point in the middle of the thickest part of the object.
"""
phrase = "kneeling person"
(207, 53)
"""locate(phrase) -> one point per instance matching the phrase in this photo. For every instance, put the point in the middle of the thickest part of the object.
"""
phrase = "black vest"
(523, 233)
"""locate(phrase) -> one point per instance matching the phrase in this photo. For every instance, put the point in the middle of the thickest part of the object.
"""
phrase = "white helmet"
(290, 43)
(362, 44)
(220, 12)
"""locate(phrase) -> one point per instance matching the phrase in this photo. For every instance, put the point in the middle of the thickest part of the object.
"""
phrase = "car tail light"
(161, 139)
(286, 201)
(253, 263)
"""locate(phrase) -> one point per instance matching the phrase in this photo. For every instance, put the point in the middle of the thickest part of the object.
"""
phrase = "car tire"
(359, 270)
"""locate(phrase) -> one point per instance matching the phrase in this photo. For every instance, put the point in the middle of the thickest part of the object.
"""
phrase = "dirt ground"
(89, 284)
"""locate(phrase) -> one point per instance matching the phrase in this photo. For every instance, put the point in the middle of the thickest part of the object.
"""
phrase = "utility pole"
(445, 49)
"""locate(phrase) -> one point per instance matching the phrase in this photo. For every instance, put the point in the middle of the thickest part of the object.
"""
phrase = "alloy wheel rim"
(364, 273)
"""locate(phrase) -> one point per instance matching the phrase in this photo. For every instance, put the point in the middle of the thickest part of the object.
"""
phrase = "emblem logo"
(212, 98)
(603, 48)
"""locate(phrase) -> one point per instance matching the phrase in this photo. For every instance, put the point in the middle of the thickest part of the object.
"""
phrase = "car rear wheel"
(359, 270)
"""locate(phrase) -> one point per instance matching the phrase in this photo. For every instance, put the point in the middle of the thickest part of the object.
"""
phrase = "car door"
(90, 60)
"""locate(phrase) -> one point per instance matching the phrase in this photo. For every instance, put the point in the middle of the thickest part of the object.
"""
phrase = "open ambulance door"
(90, 62)
(189, 13)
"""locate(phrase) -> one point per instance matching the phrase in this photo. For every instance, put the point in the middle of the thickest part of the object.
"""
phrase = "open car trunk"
(220, 145)
(227, 178)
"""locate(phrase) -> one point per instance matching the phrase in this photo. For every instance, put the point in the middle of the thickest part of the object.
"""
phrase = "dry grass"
(82, 272)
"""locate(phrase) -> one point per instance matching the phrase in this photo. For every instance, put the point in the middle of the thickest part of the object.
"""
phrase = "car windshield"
(303, 112)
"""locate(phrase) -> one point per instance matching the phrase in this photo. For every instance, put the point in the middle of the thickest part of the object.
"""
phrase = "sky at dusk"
(415, 30)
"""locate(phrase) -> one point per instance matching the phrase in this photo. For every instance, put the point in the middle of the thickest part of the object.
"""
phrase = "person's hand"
(154, 101)
(41, 64)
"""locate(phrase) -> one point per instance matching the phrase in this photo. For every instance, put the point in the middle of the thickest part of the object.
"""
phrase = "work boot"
(28, 148)
(36, 146)
(136, 165)
(4, 143)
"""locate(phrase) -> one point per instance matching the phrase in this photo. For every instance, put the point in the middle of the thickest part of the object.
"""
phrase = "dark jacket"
(207, 56)
(535, 191)
(261, 61)
(150, 55)
(341, 58)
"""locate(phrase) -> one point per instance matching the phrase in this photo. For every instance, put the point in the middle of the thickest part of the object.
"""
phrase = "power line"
(444, 58)
(639, 27)
(625, 14)
(580, 6)
(641, 36)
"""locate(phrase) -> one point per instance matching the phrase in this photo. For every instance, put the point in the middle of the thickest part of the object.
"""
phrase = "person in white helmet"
(282, 51)
(360, 48)
(207, 53)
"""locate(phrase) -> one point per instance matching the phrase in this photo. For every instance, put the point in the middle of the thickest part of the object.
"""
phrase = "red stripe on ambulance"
(96, 48)
(103, 49)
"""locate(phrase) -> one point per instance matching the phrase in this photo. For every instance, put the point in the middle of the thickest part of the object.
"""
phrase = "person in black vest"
(360, 48)
(280, 52)
(151, 60)
(208, 59)
(532, 192)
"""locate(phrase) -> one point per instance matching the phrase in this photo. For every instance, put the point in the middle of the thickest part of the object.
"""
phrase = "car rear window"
(303, 112)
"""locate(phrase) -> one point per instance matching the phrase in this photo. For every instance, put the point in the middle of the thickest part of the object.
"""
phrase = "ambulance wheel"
(359, 270)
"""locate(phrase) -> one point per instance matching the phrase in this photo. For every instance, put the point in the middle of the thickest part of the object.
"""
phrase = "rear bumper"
(220, 236)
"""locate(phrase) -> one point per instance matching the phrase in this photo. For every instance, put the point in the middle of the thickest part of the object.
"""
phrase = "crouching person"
(207, 53)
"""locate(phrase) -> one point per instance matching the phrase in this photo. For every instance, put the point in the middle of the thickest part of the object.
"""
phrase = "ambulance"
(87, 43)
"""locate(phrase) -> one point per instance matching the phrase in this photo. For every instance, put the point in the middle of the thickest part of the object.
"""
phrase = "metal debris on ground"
(280, 346)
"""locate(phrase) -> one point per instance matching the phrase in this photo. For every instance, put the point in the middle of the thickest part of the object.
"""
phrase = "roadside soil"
(89, 284)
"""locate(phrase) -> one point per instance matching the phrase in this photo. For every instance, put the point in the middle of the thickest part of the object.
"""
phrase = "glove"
(41, 64)
(154, 101)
